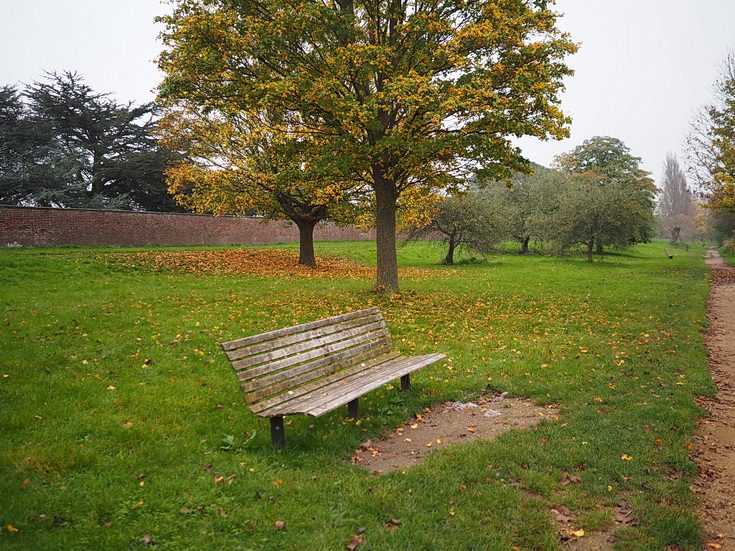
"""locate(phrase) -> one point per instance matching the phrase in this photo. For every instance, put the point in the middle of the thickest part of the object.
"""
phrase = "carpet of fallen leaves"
(259, 262)
(722, 276)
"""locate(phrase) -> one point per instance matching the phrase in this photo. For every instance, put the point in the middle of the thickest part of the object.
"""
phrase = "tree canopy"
(711, 142)
(612, 190)
(402, 96)
(65, 145)
(243, 164)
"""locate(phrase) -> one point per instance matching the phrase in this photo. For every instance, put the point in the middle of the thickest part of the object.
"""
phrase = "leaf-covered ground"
(260, 262)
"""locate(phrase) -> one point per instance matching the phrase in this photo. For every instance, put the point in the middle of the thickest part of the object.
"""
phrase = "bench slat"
(317, 362)
(281, 342)
(337, 394)
(320, 344)
(325, 351)
(273, 401)
(270, 335)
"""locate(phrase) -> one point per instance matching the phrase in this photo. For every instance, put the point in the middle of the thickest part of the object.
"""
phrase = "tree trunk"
(590, 250)
(675, 233)
(306, 242)
(449, 259)
(524, 244)
(385, 235)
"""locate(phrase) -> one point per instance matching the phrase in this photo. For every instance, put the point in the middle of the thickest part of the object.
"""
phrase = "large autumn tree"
(404, 95)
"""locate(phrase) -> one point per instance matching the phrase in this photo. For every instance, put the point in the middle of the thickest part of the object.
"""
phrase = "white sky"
(643, 68)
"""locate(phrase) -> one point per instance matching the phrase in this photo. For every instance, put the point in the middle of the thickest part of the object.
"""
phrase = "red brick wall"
(40, 227)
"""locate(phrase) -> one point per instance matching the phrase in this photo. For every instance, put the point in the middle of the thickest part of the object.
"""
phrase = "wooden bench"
(313, 368)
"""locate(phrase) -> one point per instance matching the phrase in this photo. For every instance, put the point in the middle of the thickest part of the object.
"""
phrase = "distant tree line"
(595, 197)
(64, 145)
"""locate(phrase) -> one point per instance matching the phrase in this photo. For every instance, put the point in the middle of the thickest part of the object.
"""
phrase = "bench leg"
(405, 383)
(353, 408)
(277, 436)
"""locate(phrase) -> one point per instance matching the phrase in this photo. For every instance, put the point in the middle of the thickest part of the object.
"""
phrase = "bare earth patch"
(715, 449)
(488, 418)
(449, 423)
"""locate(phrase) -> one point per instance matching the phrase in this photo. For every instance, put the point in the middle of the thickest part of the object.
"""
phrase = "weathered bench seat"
(313, 368)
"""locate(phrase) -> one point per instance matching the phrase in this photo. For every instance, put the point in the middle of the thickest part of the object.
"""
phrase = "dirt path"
(715, 450)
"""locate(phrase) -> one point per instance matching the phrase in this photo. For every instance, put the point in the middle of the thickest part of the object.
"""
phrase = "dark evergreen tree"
(65, 145)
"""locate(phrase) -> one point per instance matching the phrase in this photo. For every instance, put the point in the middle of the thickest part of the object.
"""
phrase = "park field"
(123, 426)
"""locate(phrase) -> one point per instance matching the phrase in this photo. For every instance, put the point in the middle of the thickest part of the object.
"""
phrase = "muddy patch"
(447, 424)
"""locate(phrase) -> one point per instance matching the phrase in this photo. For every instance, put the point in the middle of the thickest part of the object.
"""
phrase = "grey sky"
(643, 68)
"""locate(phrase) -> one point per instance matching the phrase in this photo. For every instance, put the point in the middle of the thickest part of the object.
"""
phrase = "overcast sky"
(643, 68)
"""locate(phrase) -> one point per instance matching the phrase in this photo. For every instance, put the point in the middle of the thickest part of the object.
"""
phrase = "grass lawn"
(123, 426)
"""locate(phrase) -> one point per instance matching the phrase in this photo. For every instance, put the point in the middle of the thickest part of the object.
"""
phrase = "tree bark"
(675, 233)
(385, 236)
(449, 259)
(590, 250)
(306, 242)
(524, 244)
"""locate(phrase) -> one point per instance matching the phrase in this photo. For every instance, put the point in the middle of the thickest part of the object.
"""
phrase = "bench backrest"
(279, 365)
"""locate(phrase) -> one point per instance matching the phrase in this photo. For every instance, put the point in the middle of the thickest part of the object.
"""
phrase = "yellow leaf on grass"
(577, 533)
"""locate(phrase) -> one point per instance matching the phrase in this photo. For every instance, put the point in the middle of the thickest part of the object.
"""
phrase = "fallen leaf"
(146, 540)
(280, 525)
(567, 479)
(392, 523)
(577, 533)
(12, 528)
(626, 457)
(355, 542)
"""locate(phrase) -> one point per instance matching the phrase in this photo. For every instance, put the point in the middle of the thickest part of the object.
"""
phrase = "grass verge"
(123, 425)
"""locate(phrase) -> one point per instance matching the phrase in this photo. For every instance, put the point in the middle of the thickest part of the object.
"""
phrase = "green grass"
(122, 421)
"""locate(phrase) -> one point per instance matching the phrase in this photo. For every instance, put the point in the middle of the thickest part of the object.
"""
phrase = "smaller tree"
(247, 162)
(592, 213)
(620, 192)
(526, 202)
(470, 222)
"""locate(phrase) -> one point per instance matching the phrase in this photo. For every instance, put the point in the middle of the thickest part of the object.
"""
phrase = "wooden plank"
(319, 361)
(361, 386)
(309, 354)
(338, 394)
(270, 335)
(282, 342)
(273, 400)
(336, 389)
(315, 343)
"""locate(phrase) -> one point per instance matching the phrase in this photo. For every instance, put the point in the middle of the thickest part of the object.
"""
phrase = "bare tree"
(676, 206)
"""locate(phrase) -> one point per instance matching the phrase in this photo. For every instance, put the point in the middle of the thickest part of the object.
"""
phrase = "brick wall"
(42, 227)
